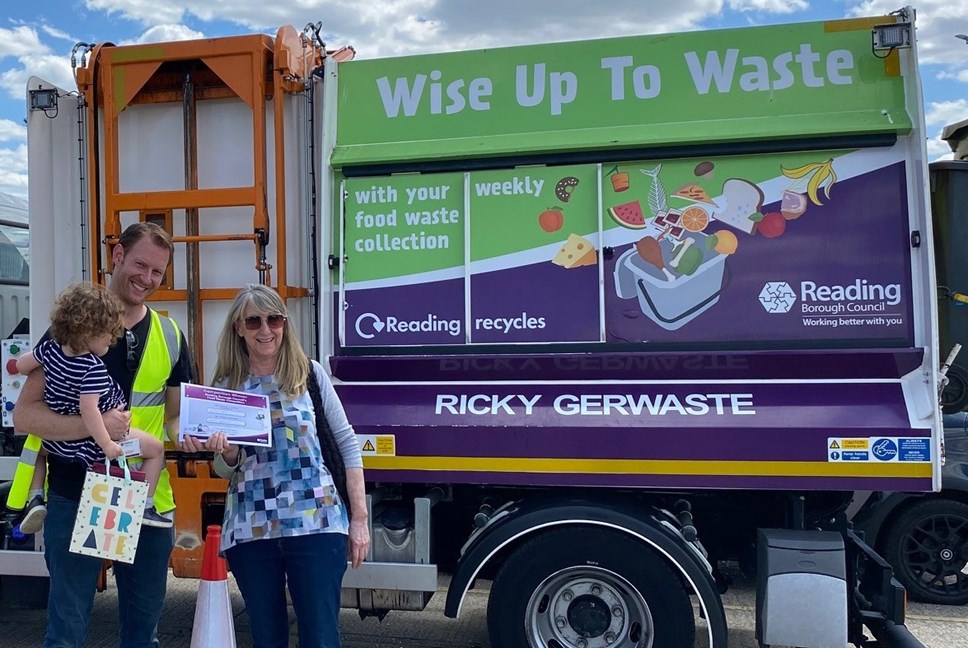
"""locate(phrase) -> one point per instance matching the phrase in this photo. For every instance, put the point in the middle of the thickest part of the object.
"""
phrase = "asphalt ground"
(936, 626)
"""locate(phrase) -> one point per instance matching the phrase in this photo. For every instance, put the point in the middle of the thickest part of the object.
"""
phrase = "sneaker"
(156, 519)
(33, 520)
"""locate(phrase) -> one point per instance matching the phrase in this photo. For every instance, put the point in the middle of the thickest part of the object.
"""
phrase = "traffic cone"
(213, 627)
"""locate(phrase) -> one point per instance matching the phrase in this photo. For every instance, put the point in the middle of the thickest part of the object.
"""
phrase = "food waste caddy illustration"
(678, 269)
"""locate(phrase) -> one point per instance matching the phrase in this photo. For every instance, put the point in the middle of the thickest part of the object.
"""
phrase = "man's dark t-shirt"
(66, 478)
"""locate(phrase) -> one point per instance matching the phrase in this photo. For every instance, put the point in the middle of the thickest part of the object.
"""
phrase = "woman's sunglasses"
(254, 322)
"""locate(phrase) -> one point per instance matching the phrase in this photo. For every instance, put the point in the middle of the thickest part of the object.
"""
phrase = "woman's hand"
(358, 541)
(191, 444)
(219, 444)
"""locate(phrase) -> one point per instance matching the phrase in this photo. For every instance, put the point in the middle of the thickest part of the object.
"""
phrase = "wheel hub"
(589, 607)
(586, 605)
(589, 616)
(946, 554)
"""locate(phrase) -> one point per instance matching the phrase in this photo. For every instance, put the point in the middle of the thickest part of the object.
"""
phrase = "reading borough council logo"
(777, 297)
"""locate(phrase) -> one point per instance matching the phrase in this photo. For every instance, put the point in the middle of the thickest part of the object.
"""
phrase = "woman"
(285, 522)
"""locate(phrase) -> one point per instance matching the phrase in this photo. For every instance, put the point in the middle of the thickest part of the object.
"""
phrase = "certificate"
(243, 418)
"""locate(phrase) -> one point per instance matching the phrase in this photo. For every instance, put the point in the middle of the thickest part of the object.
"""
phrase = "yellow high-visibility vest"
(20, 487)
(150, 389)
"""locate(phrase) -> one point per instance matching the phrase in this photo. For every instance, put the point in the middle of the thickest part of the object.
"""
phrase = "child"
(85, 322)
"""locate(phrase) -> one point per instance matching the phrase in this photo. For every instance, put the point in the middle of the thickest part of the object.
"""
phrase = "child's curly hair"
(84, 311)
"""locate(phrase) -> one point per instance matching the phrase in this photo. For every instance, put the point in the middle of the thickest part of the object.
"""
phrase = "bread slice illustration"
(743, 199)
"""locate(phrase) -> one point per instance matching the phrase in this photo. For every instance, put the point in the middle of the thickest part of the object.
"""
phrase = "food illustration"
(723, 241)
(628, 215)
(693, 191)
(686, 258)
(620, 179)
(704, 170)
(771, 225)
(743, 200)
(816, 175)
(657, 193)
(551, 220)
(651, 252)
(671, 224)
(565, 187)
(673, 281)
(577, 251)
(792, 205)
(678, 268)
(694, 219)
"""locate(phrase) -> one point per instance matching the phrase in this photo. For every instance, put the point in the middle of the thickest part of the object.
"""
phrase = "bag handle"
(123, 464)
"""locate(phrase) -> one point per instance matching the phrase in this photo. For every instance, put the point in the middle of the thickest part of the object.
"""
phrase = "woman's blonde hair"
(232, 365)
(84, 311)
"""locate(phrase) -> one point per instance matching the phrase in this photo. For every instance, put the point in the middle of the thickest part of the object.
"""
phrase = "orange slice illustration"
(694, 219)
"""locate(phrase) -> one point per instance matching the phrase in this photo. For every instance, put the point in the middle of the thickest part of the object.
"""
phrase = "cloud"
(252, 14)
(11, 130)
(13, 170)
(937, 115)
(946, 112)
(20, 41)
(165, 33)
(395, 27)
(53, 68)
(769, 6)
(144, 11)
(53, 32)
(937, 23)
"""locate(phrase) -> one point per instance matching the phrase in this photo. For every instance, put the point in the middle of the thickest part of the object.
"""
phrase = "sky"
(36, 37)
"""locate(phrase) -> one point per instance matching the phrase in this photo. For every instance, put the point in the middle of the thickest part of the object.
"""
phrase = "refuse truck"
(604, 314)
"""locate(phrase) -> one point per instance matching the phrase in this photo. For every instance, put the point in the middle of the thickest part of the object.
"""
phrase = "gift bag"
(109, 515)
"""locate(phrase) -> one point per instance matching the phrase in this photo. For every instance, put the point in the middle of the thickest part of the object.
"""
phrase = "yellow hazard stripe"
(650, 466)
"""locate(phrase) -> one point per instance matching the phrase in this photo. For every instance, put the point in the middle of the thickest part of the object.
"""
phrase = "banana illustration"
(821, 174)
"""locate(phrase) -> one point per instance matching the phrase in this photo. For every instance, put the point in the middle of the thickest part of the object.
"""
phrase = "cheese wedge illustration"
(576, 252)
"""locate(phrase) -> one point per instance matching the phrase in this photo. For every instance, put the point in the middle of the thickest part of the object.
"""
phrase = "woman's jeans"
(312, 566)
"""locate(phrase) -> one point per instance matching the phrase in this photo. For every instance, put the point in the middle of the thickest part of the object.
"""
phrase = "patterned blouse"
(285, 489)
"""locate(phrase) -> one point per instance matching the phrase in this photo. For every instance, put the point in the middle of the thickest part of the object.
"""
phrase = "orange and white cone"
(213, 627)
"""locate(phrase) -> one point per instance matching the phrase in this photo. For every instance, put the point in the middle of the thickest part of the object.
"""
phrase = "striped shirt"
(67, 378)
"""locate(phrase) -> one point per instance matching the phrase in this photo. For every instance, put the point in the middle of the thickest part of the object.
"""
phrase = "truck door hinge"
(332, 261)
(916, 239)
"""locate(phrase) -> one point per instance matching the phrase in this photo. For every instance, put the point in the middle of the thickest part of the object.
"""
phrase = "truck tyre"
(928, 547)
(954, 398)
(588, 588)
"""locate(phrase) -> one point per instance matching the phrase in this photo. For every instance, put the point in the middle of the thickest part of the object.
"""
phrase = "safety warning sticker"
(879, 449)
(384, 445)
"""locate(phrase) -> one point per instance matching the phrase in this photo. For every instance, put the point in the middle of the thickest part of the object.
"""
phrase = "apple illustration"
(551, 220)
(772, 225)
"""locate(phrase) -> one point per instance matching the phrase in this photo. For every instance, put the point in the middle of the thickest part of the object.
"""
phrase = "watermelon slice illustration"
(628, 215)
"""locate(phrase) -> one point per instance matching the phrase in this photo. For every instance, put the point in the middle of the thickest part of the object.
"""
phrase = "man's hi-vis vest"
(20, 487)
(150, 389)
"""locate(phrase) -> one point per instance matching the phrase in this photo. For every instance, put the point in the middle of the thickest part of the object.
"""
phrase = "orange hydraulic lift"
(252, 68)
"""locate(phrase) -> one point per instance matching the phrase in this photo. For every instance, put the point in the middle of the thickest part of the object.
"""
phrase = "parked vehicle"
(14, 263)
(925, 537)
(949, 193)
(600, 312)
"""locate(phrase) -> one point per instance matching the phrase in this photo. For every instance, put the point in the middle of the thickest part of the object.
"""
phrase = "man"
(149, 362)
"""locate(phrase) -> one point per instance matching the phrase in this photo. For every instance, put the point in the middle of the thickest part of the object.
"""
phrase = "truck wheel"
(954, 398)
(928, 547)
(588, 588)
